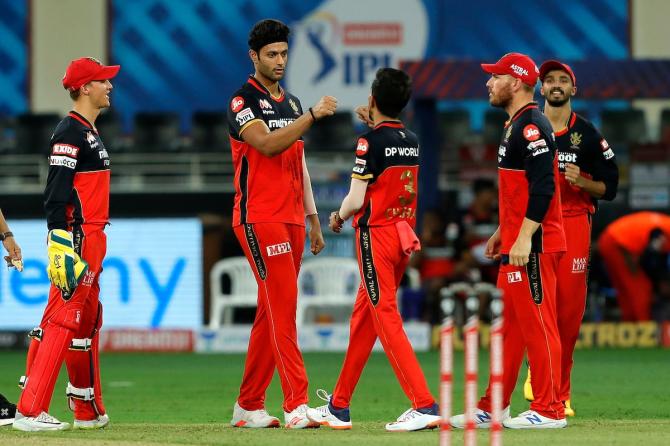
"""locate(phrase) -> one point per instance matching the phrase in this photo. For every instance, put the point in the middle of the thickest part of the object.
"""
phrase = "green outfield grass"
(622, 397)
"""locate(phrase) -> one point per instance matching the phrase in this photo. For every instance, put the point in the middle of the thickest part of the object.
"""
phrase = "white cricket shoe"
(416, 420)
(99, 423)
(533, 420)
(252, 418)
(482, 419)
(42, 422)
(327, 415)
(297, 418)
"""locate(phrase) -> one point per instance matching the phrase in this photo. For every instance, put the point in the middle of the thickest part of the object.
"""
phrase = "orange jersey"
(388, 157)
(632, 231)
(267, 189)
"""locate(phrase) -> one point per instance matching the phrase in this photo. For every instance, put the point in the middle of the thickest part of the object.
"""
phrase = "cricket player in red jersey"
(273, 195)
(588, 173)
(382, 201)
(529, 242)
(77, 207)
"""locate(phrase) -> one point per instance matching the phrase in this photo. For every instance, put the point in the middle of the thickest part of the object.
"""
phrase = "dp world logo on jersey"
(339, 47)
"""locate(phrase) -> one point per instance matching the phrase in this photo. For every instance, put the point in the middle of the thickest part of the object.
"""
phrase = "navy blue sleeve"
(63, 159)
(605, 167)
(539, 167)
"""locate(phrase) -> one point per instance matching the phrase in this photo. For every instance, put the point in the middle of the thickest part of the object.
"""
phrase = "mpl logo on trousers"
(514, 276)
(281, 248)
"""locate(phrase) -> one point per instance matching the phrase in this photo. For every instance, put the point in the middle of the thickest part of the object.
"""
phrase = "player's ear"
(574, 90)
(253, 55)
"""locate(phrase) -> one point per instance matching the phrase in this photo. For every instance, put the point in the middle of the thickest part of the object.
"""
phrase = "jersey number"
(410, 189)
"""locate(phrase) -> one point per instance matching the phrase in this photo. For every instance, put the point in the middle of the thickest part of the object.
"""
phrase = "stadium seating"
(242, 292)
(157, 132)
(664, 135)
(111, 131)
(326, 282)
(625, 126)
(494, 120)
(33, 132)
(454, 127)
(333, 134)
(209, 132)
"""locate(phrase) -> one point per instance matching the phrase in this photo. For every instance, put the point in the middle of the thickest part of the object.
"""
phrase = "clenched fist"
(325, 107)
(573, 175)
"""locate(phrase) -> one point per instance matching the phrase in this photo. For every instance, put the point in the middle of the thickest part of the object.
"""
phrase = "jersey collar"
(260, 87)
(571, 122)
(74, 115)
(392, 124)
(528, 106)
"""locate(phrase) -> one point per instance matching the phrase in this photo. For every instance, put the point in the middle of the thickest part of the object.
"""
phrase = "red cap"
(86, 69)
(551, 65)
(517, 65)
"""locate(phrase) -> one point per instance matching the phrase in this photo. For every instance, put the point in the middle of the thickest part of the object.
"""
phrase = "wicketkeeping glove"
(65, 268)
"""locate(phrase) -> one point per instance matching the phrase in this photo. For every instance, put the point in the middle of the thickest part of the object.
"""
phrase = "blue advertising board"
(152, 275)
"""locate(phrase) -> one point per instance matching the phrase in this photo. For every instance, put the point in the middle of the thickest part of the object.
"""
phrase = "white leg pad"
(82, 345)
(85, 394)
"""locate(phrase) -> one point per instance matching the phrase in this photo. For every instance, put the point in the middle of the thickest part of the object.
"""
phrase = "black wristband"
(3, 236)
(340, 220)
(312, 113)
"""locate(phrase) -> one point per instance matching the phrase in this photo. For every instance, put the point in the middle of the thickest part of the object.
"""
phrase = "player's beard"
(269, 73)
(557, 102)
(503, 98)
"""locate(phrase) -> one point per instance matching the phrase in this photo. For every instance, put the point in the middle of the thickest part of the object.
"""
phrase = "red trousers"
(80, 317)
(274, 251)
(382, 264)
(634, 290)
(530, 325)
(571, 291)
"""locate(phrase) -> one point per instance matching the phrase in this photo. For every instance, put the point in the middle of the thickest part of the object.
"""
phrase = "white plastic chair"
(243, 290)
(327, 282)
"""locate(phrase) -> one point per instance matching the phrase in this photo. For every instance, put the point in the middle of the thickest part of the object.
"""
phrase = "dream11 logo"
(338, 49)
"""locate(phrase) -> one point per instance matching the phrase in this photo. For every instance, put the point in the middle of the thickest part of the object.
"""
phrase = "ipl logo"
(348, 51)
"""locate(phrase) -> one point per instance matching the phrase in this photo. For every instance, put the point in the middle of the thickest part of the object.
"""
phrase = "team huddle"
(553, 166)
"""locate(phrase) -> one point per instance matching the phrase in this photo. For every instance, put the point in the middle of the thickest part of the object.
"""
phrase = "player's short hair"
(266, 32)
(74, 94)
(391, 89)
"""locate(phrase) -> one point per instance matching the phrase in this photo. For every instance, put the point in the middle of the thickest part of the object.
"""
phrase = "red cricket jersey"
(77, 190)
(527, 166)
(387, 156)
(267, 189)
(582, 144)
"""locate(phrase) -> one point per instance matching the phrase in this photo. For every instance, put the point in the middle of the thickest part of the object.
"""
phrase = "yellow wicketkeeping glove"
(65, 268)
